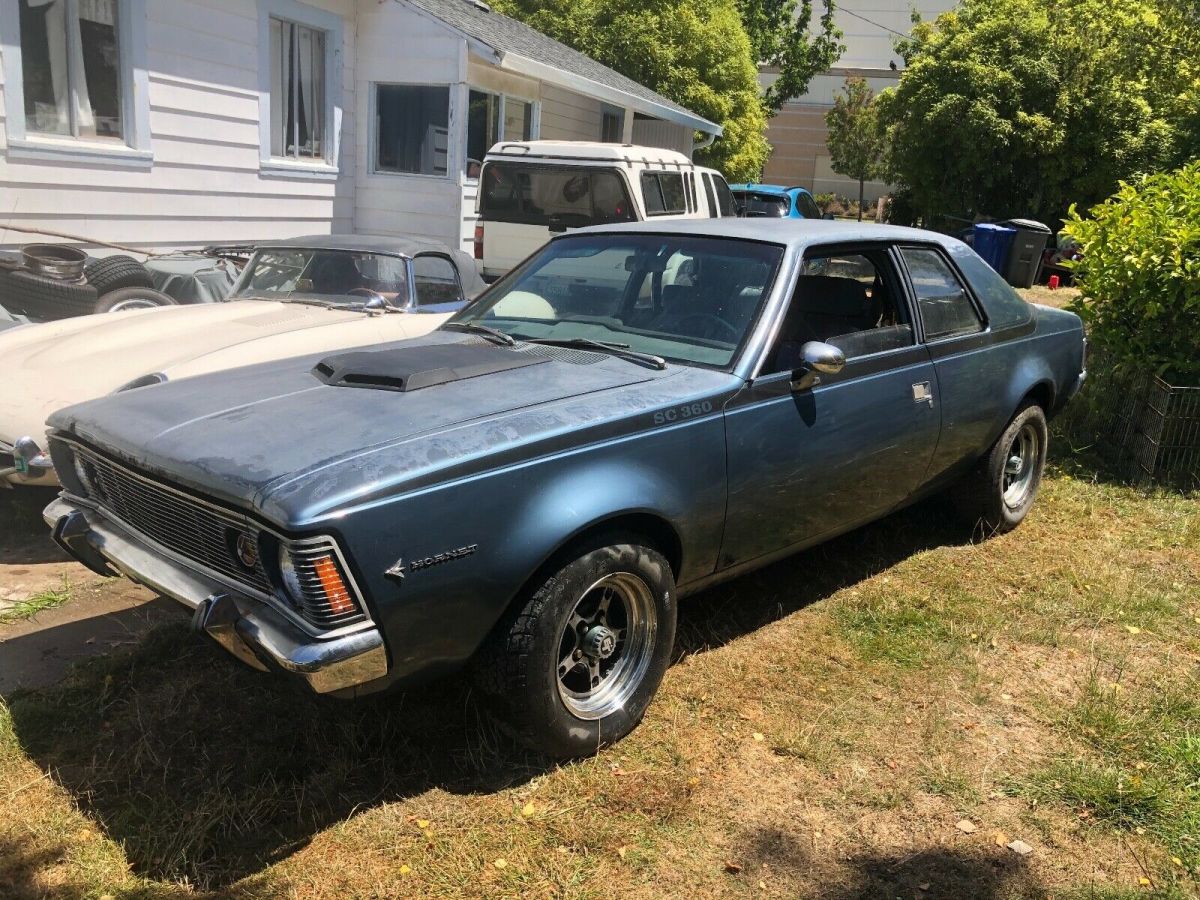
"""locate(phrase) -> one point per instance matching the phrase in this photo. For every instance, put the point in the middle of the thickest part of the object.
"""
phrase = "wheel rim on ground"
(134, 303)
(606, 646)
(1021, 466)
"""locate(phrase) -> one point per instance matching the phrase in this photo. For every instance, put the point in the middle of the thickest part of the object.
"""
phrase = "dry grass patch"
(828, 724)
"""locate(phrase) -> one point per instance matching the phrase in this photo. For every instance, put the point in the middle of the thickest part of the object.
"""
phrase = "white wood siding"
(399, 46)
(204, 184)
(567, 116)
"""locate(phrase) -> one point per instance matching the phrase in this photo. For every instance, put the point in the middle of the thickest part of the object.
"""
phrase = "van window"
(713, 211)
(724, 196)
(564, 196)
(663, 193)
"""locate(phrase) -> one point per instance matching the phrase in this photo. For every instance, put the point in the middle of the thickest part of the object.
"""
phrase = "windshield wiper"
(495, 336)
(610, 347)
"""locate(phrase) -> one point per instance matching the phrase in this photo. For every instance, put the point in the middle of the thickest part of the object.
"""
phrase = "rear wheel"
(574, 666)
(1001, 489)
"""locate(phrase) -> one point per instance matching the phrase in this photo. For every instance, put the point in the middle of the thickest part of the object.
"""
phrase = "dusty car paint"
(520, 462)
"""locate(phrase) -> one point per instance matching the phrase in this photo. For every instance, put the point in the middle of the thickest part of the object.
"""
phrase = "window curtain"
(58, 26)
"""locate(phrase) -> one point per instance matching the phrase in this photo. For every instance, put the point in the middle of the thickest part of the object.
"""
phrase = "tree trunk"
(860, 198)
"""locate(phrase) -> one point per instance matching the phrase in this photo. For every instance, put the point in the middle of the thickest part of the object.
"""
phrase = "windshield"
(329, 276)
(762, 206)
(563, 196)
(687, 299)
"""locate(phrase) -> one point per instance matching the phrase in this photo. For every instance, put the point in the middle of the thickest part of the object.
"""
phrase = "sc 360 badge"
(400, 569)
(682, 413)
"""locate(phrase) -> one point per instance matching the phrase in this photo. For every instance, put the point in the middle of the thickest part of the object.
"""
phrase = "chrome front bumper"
(248, 628)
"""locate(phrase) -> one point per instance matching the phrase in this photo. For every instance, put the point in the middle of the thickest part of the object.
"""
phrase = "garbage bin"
(1025, 253)
(992, 242)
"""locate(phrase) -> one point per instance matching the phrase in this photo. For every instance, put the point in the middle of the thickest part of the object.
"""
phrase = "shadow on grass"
(207, 772)
(25, 539)
(939, 872)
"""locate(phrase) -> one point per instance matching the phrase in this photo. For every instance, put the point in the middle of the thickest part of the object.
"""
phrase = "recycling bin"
(992, 242)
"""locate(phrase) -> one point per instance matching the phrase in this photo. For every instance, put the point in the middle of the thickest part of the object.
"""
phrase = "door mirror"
(817, 359)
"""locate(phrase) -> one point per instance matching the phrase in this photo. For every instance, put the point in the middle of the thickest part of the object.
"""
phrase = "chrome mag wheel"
(1020, 469)
(606, 646)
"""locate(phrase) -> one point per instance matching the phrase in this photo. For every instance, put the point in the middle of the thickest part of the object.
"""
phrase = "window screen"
(664, 193)
(946, 308)
(412, 124)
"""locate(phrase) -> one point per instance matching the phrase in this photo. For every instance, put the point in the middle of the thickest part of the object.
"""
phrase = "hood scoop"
(408, 368)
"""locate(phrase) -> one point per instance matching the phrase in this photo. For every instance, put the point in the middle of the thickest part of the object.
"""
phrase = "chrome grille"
(316, 605)
(192, 529)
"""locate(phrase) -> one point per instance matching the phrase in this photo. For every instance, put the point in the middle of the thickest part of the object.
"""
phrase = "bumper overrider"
(252, 630)
(24, 462)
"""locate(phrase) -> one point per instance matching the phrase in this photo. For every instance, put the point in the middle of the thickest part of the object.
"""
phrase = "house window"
(612, 126)
(492, 118)
(412, 128)
(297, 91)
(71, 67)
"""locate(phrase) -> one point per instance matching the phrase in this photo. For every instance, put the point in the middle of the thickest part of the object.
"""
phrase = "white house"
(171, 123)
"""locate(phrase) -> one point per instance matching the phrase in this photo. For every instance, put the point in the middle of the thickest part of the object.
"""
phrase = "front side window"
(689, 299)
(297, 91)
(710, 195)
(71, 67)
(849, 299)
(553, 196)
(664, 193)
(322, 277)
(946, 308)
(724, 196)
(412, 124)
(436, 280)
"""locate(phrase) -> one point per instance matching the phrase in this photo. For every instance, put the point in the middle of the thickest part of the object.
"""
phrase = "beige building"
(797, 134)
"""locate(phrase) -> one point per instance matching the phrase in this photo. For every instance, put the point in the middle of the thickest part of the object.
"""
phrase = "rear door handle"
(922, 393)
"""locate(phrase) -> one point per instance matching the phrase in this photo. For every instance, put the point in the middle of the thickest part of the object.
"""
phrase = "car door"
(969, 378)
(808, 463)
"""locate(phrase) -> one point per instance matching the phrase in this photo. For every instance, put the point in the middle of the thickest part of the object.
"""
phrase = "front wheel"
(573, 668)
(1000, 490)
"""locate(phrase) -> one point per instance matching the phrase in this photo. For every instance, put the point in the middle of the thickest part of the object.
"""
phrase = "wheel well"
(658, 533)
(1042, 394)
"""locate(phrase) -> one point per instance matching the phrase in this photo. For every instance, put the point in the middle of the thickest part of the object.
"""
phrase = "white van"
(529, 190)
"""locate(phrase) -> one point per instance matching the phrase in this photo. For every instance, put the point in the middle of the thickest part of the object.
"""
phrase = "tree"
(780, 37)
(1021, 107)
(694, 52)
(855, 143)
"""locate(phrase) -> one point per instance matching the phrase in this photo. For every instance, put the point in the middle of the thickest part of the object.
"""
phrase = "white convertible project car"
(297, 296)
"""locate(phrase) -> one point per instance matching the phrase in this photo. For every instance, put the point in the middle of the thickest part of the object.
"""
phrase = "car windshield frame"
(243, 289)
(609, 328)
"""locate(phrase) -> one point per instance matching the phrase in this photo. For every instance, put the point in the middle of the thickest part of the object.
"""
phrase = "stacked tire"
(108, 284)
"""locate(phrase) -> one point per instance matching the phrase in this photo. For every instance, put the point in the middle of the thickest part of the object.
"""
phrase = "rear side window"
(664, 193)
(807, 206)
(436, 280)
(725, 199)
(946, 307)
(711, 196)
(564, 196)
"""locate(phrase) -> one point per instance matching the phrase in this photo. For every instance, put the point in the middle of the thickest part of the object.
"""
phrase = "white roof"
(589, 150)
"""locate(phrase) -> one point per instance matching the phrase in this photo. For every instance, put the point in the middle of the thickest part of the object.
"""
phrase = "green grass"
(30, 607)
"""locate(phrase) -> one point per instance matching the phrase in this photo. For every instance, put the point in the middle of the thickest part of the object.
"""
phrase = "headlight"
(291, 578)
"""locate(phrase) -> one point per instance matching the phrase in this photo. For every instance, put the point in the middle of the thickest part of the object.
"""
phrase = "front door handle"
(922, 393)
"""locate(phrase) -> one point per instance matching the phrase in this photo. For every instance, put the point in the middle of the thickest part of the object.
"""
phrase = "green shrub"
(1140, 275)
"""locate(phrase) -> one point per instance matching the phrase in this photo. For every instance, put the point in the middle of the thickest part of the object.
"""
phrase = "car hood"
(46, 367)
(276, 437)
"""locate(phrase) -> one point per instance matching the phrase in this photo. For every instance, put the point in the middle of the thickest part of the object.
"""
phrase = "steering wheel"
(709, 320)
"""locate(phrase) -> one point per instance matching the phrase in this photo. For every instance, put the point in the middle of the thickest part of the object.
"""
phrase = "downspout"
(708, 141)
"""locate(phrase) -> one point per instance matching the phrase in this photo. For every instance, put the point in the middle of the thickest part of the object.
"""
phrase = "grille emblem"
(247, 551)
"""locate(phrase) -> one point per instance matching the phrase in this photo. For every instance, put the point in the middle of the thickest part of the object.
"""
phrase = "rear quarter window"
(1005, 307)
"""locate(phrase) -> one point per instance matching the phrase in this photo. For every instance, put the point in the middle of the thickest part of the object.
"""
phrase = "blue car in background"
(773, 201)
(634, 413)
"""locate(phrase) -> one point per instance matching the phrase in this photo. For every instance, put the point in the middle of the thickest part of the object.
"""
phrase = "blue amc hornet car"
(634, 413)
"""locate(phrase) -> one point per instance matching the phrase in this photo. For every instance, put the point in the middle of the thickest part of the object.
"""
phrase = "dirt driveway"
(53, 611)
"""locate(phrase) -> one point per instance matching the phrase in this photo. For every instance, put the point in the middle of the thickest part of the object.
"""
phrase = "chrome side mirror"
(817, 359)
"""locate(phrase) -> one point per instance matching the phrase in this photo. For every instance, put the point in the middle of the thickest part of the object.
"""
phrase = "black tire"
(998, 493)
(114, 272)
(518, 668)
(39, 297)
(143, 297)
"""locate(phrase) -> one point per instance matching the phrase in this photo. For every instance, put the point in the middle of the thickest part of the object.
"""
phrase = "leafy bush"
(1140, 275)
